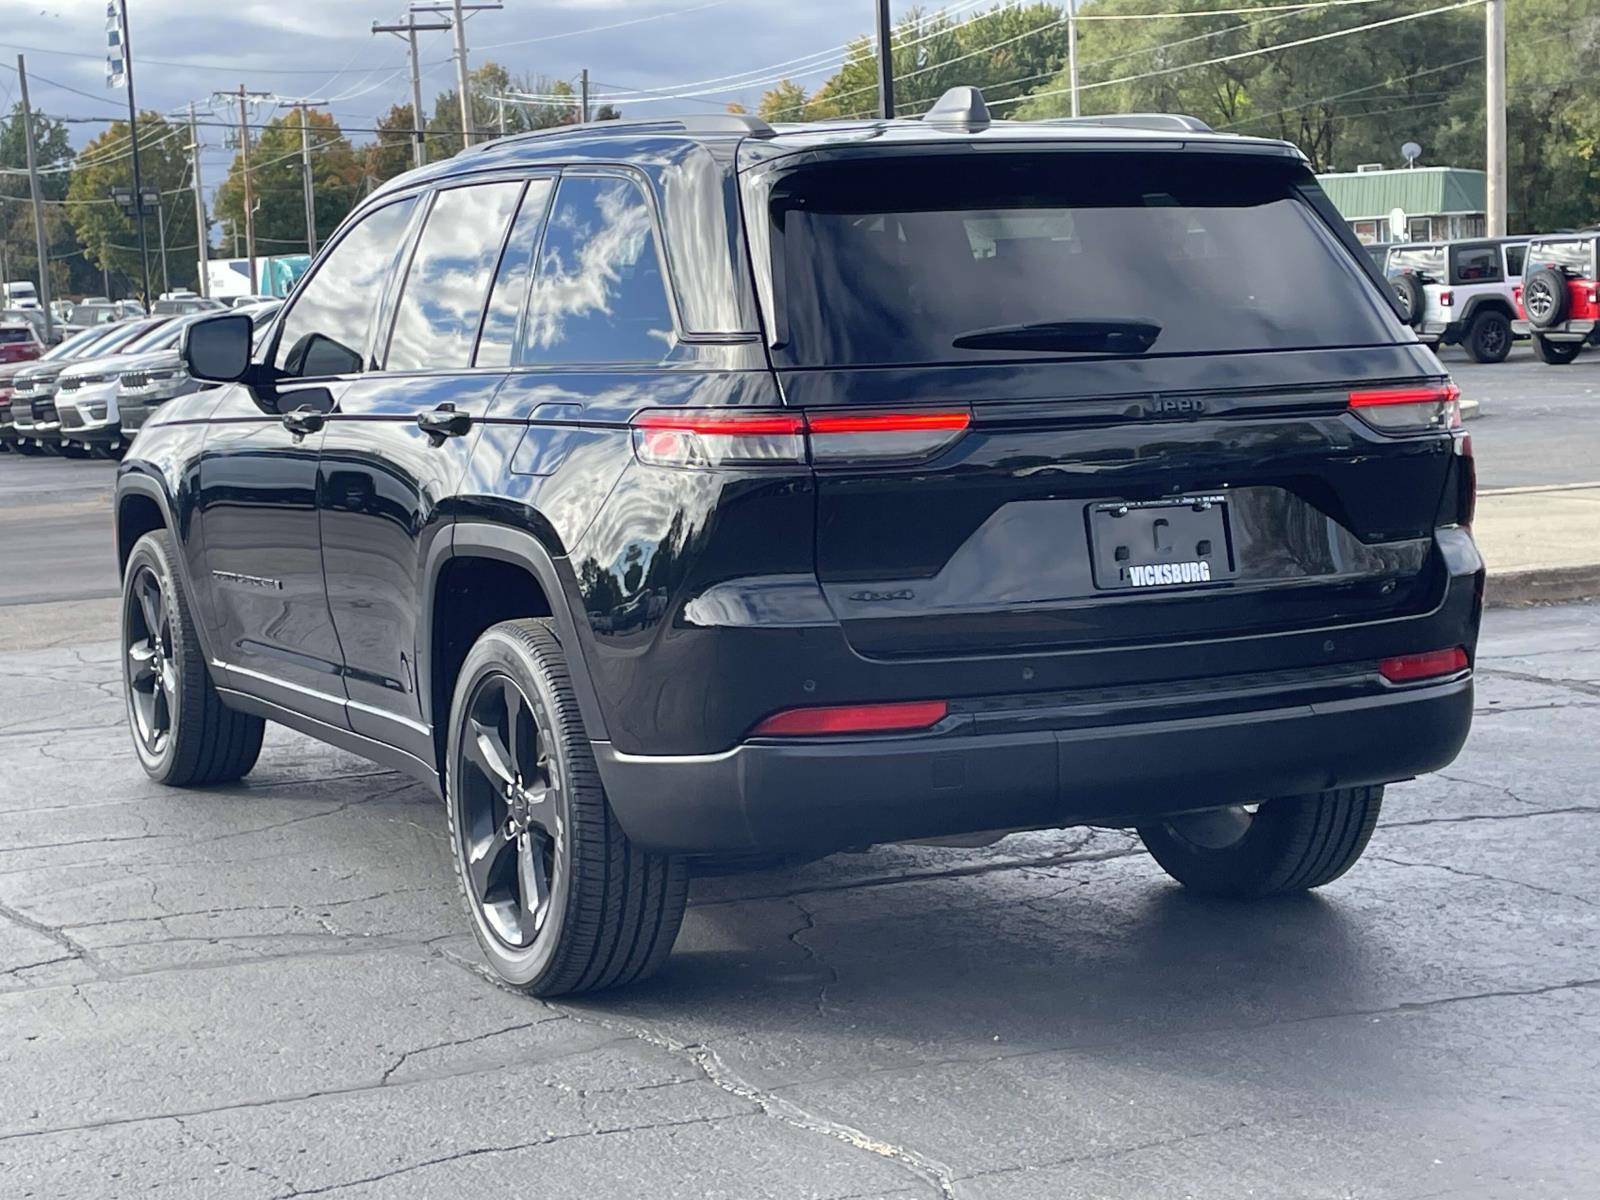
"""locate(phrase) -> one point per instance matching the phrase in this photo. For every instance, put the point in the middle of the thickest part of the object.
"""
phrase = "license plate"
(1153, 545)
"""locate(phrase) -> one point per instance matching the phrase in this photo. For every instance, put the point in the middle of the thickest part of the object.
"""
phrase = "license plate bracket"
(1158, 545)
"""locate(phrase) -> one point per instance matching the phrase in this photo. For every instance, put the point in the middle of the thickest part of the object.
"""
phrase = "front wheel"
(560, 900)
(1557, 354)
(183, 733)
(1250, 851)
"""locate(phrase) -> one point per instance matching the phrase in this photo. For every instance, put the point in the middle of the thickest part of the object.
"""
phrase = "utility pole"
(201, 226)
(459, 12)
(409, 31)
(1072, 52)
(305, 171)
(583, 94)
(246, 98)
(1495, 117)
(161, 232)
(885, 63)
(41, 238)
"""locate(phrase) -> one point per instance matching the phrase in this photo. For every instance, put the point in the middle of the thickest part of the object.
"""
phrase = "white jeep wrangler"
(1460, 293)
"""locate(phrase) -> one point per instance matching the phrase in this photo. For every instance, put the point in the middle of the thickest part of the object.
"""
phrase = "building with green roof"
(1438, 203)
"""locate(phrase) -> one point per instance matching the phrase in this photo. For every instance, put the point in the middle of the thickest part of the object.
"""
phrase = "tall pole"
(885, 63)
(133, 138)
(461, 75)
(409, 31)
(307, 181)
(249, 204)
(1495, 98)
(41, 238)
(202, 228)
(161, 233)
(583, 93)
(1072, 52)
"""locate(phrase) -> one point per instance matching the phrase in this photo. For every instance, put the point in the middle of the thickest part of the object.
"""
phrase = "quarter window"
(499, 337)
(436, 321)
(1515, 257)
(598, 293)
(326, 330)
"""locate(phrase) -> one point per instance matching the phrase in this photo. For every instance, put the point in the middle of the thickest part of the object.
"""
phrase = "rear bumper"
(829, 793)
(1567, 331)
(1445, 332)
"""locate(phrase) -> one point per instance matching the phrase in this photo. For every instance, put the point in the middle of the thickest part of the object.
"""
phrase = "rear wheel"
(1251, 851)
(1557, 354)
(560, 900)
(184, 735)
(1489, 337)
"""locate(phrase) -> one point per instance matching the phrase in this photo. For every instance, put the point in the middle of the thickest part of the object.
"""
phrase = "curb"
(1544, 585)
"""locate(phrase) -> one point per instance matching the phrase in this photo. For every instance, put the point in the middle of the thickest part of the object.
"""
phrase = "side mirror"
(217, 349)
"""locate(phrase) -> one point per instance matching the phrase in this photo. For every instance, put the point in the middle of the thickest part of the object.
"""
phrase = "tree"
(69, 271)
(277, 186)
(109, 236)
(786, 102)
(391, 153)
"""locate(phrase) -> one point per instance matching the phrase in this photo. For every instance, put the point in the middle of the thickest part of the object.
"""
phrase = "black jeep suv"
(685, 490)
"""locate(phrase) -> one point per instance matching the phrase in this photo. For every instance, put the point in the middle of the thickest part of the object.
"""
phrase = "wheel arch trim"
(132, 482)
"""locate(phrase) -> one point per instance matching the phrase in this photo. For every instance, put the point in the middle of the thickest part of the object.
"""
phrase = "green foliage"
(69, 271)
(338, 176)
(390, 153)
(109, 237)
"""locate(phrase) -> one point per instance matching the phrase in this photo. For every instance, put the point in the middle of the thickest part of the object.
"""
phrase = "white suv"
(1460, 293)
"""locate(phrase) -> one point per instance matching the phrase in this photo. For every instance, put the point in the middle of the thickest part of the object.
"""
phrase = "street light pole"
(1072, 53)
(885, 63)
(201, 228)
(133, 138)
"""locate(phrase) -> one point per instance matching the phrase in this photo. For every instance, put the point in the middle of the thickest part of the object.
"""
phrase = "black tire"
(182, 732)
(1286, 845)
(559, 899)
(1557, 354)
(1410, 296)
(1488, 338)
(73, 450)
(29, 450)
(1545, 298)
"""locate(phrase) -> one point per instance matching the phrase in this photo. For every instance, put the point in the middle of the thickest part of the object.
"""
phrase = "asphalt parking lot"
(266, 990)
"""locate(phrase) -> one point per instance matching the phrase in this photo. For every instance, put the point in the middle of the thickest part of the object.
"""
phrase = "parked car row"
(1483, 293)
(92, 393)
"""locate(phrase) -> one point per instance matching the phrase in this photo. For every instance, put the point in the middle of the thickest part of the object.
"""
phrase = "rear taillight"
(884, 437)
(701, 438)
(1446, 299)
(1516, 292)
(1408, 668)
(1409, 409)
(1594, 294)
(902, 717)
(718, 439)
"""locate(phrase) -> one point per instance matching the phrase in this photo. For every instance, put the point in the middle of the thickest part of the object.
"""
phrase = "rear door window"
(1475, 264)
(441, 304)
(599, 295)
(921, 260)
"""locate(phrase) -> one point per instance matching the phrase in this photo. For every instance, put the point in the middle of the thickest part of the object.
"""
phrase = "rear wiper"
(1105, 335)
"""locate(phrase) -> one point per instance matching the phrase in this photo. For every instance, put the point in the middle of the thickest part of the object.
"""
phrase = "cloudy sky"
(187, 49)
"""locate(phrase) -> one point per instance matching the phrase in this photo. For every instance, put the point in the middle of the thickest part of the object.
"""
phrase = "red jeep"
(1559, 300)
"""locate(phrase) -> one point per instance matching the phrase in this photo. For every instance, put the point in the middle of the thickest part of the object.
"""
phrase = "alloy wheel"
(509, 810)
(1494, 339)
(152, 672)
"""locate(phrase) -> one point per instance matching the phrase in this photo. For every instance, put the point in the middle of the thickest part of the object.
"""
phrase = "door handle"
(444, 422)
(304, 420)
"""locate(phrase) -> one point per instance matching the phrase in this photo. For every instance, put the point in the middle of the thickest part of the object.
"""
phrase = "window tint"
(922, 260)
(437, 318)
(1477, 264)
(12, 337)
(325, 332)
(598, 295)
(499, 336)
(1515, 256)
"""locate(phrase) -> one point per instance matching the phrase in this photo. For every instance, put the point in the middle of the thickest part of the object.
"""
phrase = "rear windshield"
(1575, 257)
(1420, 260)
(933, 259)
(11, 336)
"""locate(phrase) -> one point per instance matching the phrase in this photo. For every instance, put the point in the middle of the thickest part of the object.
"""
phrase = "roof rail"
(744, 123)
(1172, 121)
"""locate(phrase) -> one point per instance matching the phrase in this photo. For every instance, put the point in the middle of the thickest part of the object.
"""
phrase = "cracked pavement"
(268, 990)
